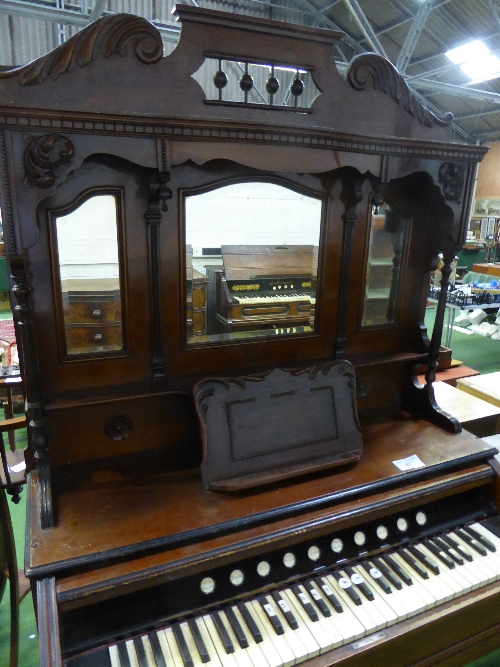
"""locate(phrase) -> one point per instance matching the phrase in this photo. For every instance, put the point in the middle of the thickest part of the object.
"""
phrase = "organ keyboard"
(440, 557)
(389, 558)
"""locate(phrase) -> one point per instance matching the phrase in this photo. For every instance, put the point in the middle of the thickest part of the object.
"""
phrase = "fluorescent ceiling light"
(482, 69)
(469, 51)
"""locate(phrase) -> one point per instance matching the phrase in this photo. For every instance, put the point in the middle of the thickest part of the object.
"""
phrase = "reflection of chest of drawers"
(197, 305)
(93, 321)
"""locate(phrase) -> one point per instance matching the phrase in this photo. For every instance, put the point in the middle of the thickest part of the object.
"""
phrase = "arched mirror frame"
(52, 214)
(281, 181)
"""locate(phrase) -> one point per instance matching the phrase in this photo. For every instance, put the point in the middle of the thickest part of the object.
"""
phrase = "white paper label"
(283, 605)
(304, 599)
(315, 594)
(344, 583)
(357, 579)
(409, 463)
(327, 589)
(376, 574)
(269, 610)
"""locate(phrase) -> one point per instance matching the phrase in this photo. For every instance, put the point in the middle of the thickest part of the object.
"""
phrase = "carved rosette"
(111, 35)
(370, 68)
(42, 157)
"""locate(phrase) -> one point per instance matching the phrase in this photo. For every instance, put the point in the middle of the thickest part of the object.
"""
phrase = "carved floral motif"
(370, 67)
(111, 35)
(42, 157)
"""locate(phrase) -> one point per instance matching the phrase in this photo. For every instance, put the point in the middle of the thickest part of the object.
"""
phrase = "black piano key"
(360, 583)
(409, 560)
(458, 547)
(285, 610)
(480, 538)
(424, 559)
(98, 658)
(388, 574)
(157, 652)
(318, 600)
(306, 603)
(140, 652)
(332, 598)
(400, 571)
(377, 577)
(471, 541)
(182, 646)
(237, 629)
(271, 615)
(440, 553)
(450, 551)
(249, 620)
(123, 654)
(198, 640)
(346, 586)
(222, 632)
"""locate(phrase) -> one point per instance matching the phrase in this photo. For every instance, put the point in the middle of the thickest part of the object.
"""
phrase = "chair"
(10, 484)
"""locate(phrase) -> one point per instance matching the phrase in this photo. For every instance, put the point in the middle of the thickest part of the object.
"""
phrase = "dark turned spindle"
(437, 332)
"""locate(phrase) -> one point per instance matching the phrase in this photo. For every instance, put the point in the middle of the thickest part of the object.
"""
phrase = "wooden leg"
(8, 538)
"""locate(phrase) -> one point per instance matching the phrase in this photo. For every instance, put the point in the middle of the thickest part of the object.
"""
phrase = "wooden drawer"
(94, 337)
(93, 311)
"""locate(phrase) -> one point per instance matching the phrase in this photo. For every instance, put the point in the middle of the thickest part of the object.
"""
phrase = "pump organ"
(133, 562)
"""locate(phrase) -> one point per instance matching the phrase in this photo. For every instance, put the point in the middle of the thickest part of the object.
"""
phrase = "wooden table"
(489, 269)
(486, 387)
(474, 414)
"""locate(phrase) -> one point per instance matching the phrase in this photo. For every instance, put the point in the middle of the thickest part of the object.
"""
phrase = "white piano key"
(114, 658)
(259, 657)
(359, 611)
(445, 574)
(190, 643)
(165, 649)
(439, 588)
(212, 652)
(333, 637)
(241, 655)
(148, 650)
(271, 638)
(132, 655)
(371, 609)
(174, 649)
(226, 659)
(315, 628)
(292, 637)
(423, 593)
(305, 634)
(489, 571)
(390, 599)
(347, 624)
(386, 612)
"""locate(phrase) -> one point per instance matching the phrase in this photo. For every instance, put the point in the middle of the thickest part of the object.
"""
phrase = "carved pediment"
(111, 35)
(371, 68)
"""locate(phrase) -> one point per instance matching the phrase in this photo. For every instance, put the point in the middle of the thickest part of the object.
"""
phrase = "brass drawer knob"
(97, 314)
(98, 337)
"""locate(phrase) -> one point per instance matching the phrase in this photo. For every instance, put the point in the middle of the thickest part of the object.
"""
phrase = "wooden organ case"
(111, 160)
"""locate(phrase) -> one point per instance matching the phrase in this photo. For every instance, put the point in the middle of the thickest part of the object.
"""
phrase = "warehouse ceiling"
(414, 34)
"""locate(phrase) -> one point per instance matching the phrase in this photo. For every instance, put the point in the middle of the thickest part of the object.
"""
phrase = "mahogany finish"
(117, 510)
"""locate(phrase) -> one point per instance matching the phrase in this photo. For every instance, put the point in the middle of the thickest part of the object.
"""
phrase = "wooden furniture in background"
(489, 269)
(10, 384)
(485, 387)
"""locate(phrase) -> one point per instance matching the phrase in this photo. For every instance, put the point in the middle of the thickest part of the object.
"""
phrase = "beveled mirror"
(85, 243)
(251, 261)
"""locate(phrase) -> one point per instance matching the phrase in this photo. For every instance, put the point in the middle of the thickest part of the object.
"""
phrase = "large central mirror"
(251, 261)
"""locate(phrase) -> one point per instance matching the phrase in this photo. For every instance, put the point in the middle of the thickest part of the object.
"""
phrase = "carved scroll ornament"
(370, 67)
(42, 157)
(111, 35)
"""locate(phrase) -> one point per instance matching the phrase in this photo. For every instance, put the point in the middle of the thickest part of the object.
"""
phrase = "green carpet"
(475, 351)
